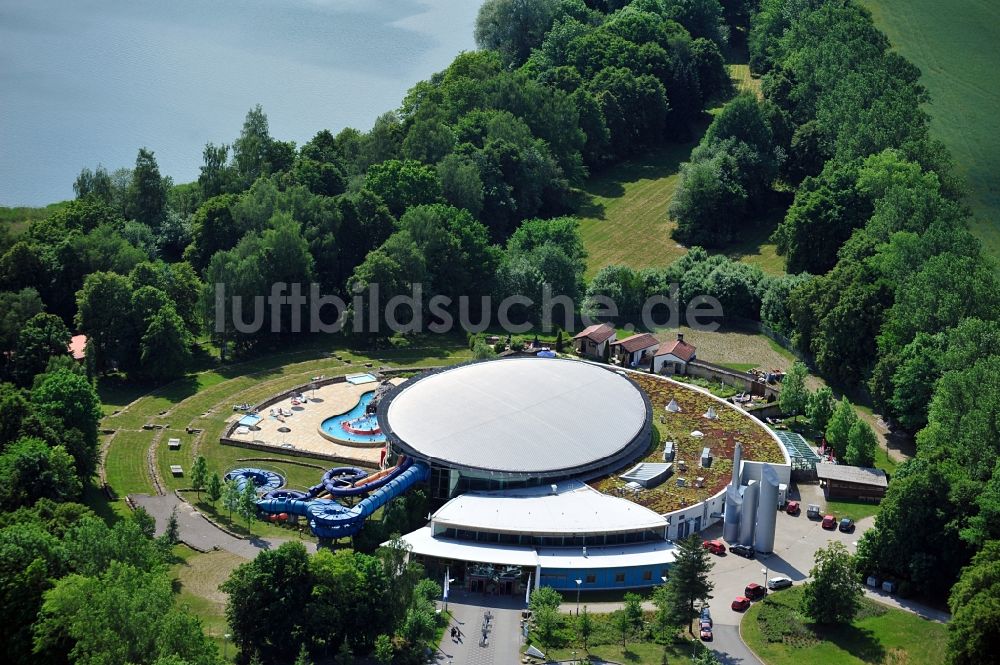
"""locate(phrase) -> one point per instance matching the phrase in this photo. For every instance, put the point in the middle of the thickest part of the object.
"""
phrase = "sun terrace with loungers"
(300, 420)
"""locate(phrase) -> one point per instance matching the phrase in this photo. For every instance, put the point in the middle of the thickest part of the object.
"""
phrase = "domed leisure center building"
(545, 471)
(572, 474)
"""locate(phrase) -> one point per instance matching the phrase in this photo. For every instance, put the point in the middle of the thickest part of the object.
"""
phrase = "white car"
(776, 583)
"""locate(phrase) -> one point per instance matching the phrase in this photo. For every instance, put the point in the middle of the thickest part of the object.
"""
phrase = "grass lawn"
(954, 44)
(780, 635)
(856, 510)
(623, 210)
(198, 577)
(737, 348)
(605, 644)
(204, 401)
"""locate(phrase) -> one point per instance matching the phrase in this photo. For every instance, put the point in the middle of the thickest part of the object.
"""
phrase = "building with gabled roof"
(842, 481)
(672, 357)
(594, 340)
(634, 350)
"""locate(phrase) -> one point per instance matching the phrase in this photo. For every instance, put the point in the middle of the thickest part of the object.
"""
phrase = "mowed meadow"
(955, 44)
(623, 210)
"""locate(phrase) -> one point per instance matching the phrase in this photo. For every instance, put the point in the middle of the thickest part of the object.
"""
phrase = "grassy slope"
(205, 400)
(16, 220)
(623, 210)
(955, 45)
(198, 577)
(882, 635)
(623, 215)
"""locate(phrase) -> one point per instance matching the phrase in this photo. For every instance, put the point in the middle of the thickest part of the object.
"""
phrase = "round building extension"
(520, 421)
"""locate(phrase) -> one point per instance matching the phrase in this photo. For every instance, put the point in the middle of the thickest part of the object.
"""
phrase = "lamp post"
(225, 645)
(448, 579)
(764, 570)
(578, 583)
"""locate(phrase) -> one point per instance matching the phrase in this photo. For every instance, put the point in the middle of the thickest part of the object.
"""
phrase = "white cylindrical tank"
(731, 516)
(767, 509)
(748, 514)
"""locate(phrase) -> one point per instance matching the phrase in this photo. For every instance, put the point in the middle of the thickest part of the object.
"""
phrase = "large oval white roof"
(518, 415)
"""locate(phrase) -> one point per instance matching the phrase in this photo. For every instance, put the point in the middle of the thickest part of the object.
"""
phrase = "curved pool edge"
(367, 445)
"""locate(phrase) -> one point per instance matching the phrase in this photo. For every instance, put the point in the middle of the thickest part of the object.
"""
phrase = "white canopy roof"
(619, 556)
(575, 508)
(424, 543)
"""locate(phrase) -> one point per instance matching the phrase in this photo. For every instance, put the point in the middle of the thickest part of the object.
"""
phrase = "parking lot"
(796, 540)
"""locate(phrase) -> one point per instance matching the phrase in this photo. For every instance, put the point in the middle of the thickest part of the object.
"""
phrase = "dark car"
(744, 551)
(846, 525)
(754, 591)
(706, 615)
(706, 633)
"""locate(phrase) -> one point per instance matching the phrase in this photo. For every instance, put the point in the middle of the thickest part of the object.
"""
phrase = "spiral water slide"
(330, 519)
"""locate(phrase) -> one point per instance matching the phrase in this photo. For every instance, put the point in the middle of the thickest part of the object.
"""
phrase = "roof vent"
(554, 489)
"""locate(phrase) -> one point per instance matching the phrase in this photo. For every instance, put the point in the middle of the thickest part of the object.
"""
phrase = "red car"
(830, 522)
(792, 508)
(741, 604)
(755, 591)
(715, 546)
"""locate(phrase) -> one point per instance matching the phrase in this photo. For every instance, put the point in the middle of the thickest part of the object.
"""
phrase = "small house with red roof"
(672, 357)
(635, 350)
(594, 340)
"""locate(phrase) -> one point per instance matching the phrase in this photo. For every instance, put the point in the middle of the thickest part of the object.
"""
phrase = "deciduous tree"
(834, 593)
(820, 408)
(794, 395)
(267, 598)
(213, 490)
(199, 474)
(838, 430)
(974, 628)
(861, 445)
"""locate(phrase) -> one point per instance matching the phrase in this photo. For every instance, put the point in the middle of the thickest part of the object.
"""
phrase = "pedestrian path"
(201, 534)
(489, 630)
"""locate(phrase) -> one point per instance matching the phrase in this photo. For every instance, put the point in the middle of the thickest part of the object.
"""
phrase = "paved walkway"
(503, 643)
(199, 533)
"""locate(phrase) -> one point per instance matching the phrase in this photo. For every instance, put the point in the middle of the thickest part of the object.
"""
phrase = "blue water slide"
(369, 487)
(329, 519)
(338, 477)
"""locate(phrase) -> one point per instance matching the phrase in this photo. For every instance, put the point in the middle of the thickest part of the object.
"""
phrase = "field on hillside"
(955, 45)
(197, 578)
(16, 220)
(623, 214)
(623, 210)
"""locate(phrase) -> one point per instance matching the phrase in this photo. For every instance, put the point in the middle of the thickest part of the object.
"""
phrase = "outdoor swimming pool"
(355, 426)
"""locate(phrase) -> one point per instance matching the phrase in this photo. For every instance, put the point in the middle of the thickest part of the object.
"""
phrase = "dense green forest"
(467, 188)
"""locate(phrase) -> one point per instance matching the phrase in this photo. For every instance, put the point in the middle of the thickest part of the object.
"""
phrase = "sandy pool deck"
(306, 419)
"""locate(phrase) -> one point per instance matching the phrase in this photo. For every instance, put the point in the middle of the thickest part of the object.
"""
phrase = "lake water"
(84, 82)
